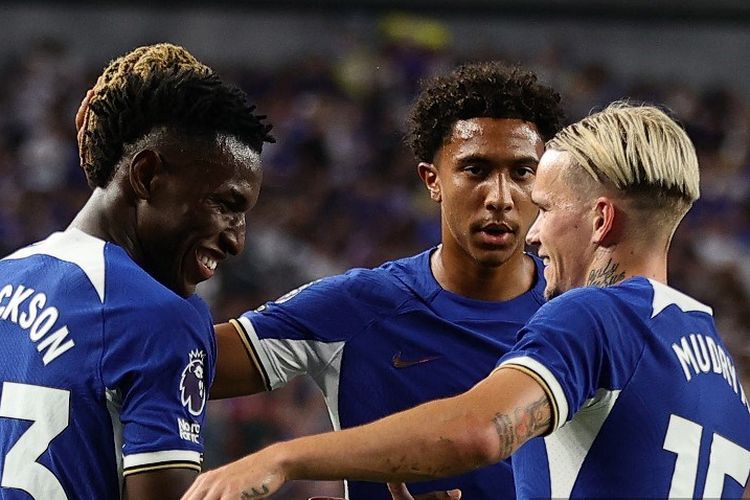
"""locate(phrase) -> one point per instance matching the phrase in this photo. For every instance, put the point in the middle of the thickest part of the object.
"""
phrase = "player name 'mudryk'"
(701, 354)
(26, 307)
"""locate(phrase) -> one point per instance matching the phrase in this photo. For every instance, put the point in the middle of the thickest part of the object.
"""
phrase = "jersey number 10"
(725, 459)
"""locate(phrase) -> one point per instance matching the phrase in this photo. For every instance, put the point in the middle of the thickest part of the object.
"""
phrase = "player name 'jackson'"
(701, 354)
(26, 308)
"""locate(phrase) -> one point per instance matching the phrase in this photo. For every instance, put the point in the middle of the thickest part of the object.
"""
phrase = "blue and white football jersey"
(378, 341)
(646, 400)
(103, 371)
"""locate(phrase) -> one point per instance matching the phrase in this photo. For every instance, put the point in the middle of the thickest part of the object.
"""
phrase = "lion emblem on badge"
(193, 385)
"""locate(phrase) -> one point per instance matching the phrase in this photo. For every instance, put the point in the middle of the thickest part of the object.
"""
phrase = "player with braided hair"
(106, 349)
(381, 340)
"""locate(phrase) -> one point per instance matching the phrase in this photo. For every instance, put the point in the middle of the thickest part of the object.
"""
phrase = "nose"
(233, 237)
(500, 193)
(532, 237)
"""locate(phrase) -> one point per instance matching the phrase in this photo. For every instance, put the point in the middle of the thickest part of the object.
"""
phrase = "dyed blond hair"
(160, 85)
(637, 150)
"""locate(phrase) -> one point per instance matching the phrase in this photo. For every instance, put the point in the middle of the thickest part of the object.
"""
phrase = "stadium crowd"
(340, 189)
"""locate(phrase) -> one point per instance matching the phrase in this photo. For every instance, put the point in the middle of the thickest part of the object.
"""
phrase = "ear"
(605, 222)
(144, 167)
(429, 175)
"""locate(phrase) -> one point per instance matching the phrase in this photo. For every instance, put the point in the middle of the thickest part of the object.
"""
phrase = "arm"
(440, 438)
(158, 485)
(237, 374)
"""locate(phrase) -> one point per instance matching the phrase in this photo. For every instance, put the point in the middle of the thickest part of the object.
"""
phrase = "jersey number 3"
(49, 411)
(726, 459)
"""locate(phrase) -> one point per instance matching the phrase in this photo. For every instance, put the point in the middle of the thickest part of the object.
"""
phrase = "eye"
(220, 205)
(473, 170)
(525, 172)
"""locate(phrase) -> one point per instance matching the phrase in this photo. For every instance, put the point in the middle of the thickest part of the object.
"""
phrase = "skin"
(498, 415)
(166, 206)
(482, 178)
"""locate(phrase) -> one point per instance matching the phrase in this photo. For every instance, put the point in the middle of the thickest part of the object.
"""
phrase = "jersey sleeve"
(157, 367)
(304, 331)
(574, 346)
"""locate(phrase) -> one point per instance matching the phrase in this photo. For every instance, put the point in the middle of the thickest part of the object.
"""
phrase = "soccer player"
(377, 341)
(106, 354)
(625, 377)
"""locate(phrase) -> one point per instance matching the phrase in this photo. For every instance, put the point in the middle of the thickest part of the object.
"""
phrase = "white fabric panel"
(665, 296)
(568, 446)
(285, 359)
(72, 246)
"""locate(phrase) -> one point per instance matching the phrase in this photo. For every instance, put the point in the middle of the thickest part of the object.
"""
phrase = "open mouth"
(207, 262)
(496, 234)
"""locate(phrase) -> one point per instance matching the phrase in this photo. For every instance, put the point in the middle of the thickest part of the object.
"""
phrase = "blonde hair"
(638, 150)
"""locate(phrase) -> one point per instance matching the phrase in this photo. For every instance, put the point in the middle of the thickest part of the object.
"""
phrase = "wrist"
(280, 457)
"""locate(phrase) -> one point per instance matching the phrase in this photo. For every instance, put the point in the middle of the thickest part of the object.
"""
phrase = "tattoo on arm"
(606, 276)
(522, 425)
(254, 492)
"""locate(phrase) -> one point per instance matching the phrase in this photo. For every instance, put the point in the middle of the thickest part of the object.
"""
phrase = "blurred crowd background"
(340, 189)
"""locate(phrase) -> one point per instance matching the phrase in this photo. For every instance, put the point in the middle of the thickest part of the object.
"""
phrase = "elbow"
(478, 444)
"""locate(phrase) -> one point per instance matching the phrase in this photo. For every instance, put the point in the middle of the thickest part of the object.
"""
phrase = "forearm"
(439, 438)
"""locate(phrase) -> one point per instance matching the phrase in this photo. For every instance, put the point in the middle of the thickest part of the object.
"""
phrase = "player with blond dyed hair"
(107, 353)
(625, 377)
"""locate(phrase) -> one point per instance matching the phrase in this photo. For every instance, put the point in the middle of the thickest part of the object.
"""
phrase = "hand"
(255, 476)
(400, 492)
(82, 117)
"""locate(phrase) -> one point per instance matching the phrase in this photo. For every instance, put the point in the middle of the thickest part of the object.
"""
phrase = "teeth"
(208, 262)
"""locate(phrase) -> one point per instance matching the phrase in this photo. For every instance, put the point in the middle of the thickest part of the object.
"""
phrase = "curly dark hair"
(161, 85)
(487, 89)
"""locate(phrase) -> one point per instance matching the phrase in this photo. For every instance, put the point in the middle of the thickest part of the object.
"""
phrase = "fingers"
(82, 117)
(399, 491)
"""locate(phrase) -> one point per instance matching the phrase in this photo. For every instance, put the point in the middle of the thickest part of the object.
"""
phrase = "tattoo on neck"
(522, 425)
(254, 492)
(605, 276)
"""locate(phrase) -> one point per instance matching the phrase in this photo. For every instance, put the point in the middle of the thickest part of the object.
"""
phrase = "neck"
(108, 217)
(619, 262)
(464, 276)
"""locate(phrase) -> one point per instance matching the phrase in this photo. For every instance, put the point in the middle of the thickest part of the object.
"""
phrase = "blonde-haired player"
(625, 377)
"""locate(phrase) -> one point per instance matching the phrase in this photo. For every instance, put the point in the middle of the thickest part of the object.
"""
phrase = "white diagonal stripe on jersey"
(76, 247)
(567, 447)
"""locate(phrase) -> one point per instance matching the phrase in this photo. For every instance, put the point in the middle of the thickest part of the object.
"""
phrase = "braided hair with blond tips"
(161, 85)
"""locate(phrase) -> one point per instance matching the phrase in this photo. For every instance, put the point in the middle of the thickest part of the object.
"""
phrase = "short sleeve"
(304, 332)
(157, 367)
(563, 347)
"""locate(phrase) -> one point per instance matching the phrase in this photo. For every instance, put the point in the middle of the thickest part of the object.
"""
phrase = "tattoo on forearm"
(522, 425)
(254, 492)
(605, 276)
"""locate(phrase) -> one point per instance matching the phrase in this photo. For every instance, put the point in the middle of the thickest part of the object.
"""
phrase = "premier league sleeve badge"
(193, 388)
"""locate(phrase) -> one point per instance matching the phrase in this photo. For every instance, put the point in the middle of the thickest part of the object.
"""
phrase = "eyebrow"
(477, 158)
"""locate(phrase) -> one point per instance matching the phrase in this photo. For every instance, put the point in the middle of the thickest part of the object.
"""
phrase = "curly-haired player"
(107, 352)
(381, 340)
(626, 378)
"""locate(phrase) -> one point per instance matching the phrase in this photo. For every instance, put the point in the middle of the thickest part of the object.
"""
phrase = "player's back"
(657, 406)
(64, 308)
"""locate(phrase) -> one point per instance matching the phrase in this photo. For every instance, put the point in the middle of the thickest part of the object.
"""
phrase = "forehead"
(550, 176)
(225, 162)
(501, 137)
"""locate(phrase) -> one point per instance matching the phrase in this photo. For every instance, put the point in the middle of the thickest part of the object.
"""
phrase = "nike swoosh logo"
(398, 362)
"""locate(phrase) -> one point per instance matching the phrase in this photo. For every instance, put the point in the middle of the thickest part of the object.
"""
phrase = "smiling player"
(107, 354)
